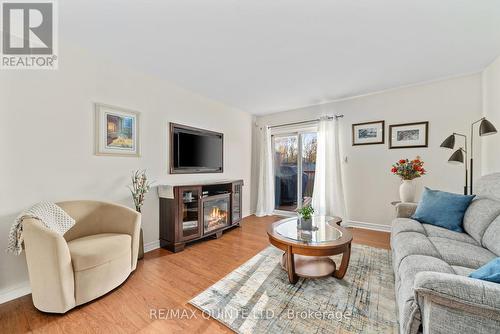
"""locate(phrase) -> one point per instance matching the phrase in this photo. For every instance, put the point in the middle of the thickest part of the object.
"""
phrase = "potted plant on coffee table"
(305, 217)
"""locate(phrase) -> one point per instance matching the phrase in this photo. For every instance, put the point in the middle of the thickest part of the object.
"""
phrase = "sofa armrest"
(459, 292)
(49, 267)
(405, 210)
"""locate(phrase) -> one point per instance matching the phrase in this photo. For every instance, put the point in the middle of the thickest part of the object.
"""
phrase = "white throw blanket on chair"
(51, 216)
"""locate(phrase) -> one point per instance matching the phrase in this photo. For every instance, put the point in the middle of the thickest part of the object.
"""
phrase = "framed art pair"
(407, 135)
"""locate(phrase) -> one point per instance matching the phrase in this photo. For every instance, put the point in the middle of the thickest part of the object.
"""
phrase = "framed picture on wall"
(409, 135)
(368, 133)
(116, 131)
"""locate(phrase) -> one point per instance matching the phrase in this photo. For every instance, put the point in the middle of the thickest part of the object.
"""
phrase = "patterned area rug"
(257, 297)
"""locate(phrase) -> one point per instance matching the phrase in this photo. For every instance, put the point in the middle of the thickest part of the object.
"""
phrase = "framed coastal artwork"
(409, 135)
(368, 133)
(116, 131)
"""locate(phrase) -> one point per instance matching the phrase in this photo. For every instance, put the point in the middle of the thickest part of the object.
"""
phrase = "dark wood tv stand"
(190, 212)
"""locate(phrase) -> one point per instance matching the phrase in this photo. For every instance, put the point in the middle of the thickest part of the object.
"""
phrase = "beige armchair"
(95, 256)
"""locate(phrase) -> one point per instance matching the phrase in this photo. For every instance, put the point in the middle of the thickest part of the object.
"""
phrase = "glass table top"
(321, 229)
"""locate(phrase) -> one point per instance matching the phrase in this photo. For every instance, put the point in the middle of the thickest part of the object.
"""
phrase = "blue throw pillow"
(442, 209)
(489, 272)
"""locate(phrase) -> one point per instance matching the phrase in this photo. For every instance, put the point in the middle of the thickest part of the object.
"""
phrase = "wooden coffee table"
(307, 250)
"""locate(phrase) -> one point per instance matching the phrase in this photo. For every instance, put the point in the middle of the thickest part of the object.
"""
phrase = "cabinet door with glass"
(189, 226)
(236, 202)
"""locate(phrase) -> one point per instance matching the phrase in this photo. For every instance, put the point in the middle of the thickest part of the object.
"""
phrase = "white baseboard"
(148, 247)
(368, 226)
(19, 291)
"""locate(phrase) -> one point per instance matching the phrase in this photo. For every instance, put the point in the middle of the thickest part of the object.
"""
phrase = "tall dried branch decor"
(139, 188)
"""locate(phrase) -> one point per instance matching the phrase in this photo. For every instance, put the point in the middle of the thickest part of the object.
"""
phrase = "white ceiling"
(265, 56)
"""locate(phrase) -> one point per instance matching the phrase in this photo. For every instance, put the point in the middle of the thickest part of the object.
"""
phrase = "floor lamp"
(485, 128)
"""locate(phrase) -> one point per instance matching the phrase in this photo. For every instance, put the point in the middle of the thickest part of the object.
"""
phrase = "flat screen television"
(195, 150)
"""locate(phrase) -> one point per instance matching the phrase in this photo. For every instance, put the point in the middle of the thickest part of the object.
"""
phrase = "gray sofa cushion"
(491, 238)
(489, 186)
(400, 225)
(478, 217)
(411, 243)
(409, 237)
(457, 253)
(436, 231)
(462, 271)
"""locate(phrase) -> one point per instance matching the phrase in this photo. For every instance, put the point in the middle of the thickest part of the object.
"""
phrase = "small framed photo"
(368, 133)
(116, 131)
(409, 135)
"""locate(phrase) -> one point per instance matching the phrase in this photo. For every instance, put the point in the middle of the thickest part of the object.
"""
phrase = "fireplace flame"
(215, 217)
(216, 214)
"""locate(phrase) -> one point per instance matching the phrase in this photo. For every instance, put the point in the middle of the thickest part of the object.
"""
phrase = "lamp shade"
(457, 157)
(486, 128)
(449, 142)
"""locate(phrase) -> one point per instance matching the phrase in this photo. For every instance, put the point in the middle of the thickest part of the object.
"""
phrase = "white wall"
(491, 110)
(46, 141)
(449, 106)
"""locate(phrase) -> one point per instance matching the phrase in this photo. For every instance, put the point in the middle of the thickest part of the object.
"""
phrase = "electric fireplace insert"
(216, 212)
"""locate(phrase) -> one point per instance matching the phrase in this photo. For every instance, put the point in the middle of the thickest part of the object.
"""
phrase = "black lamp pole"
(472, 153)
(464, 162)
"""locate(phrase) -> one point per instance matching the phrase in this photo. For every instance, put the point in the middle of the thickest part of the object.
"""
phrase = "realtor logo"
(29, 35)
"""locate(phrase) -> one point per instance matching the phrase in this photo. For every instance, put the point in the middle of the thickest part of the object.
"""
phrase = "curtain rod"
(303, 122)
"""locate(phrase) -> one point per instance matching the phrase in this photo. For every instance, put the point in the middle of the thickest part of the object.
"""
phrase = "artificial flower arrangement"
(409, 169)
(139, 188)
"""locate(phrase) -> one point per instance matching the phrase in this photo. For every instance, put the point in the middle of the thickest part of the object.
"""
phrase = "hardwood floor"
(163, 281)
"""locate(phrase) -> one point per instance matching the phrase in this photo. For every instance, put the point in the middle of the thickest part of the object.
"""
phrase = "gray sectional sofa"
(431, 265)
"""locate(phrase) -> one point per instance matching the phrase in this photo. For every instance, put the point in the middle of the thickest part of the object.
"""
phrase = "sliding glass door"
(294, 169)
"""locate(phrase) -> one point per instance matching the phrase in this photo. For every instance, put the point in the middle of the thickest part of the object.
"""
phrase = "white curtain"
(328, 194)
(265, 195)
